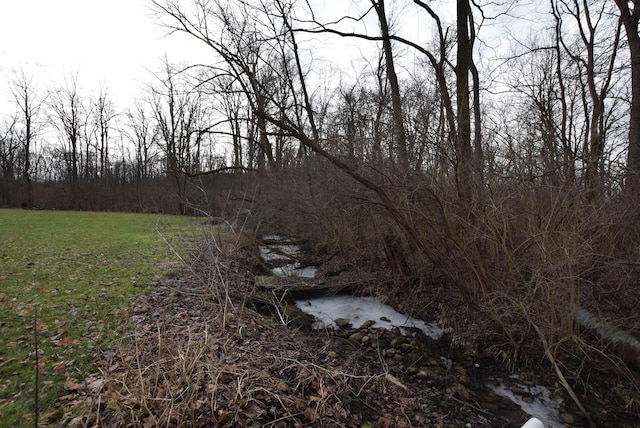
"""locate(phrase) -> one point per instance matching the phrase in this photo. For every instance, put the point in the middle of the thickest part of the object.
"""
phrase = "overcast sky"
(112, 42)
(118, 43)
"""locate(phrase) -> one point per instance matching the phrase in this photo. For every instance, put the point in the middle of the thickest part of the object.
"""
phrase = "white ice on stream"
(358, 310)
(541, 404)
(286, 252)
(327, 309)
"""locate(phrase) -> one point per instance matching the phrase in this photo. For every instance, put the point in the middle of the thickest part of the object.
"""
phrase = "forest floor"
(201, 353)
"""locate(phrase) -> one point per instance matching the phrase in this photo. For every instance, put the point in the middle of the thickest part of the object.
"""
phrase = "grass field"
(65, 279)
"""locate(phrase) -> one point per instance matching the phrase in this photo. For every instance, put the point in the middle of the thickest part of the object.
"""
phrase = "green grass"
(74, 272)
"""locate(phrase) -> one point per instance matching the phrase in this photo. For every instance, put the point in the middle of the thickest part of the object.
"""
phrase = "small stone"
(398, 357)
(568, 418)
(459, 390)
(364, 339)
(462, 371)
(468, 354)
(332, 354)
(406, 346)
(490, 408)
(414, 356)
(343, 323)
(396, 342)
(385, 319)
(367, 324)
(356, 338)
(422, 374)
(446, 363)
(517, 390)
(432, 361)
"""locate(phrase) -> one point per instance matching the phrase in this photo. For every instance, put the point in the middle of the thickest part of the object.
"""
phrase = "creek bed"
(341, 311)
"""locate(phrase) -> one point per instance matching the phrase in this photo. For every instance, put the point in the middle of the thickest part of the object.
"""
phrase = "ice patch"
(295, 270)
(359, 310)
(278, 252)
(543, 406)
(287, 252)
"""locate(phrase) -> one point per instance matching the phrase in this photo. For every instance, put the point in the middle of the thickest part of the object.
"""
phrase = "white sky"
(110, 42)
(117, 43)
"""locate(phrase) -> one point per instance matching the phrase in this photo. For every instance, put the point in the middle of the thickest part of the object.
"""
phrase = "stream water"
(283, 256)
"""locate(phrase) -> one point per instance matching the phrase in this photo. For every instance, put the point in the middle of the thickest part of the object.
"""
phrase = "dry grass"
(197, 356)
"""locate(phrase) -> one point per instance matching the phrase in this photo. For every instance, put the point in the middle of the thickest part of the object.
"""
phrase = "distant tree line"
(65, 149)
(557, 110)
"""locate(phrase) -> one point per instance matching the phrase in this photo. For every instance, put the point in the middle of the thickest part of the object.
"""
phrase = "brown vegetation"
(199, 354)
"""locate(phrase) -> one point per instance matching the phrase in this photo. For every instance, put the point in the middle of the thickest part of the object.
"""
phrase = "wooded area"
(510, 184)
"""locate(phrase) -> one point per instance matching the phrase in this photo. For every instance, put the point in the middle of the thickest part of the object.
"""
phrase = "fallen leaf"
(310, 414)
(254, 412)
(76, 422)
(394, 380)
(386, 420)
(222, 415)
(65, 341)
(96, 385)
(67, 397)
(72, 385)
(197, 404)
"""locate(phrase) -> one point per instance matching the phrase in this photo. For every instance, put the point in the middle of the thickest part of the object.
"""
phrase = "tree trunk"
(399, 134)
(630, 20)
(464, 166)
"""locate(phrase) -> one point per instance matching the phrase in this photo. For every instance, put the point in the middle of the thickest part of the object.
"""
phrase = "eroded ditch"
(302, 300)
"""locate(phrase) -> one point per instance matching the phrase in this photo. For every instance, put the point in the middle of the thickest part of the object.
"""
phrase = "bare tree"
(9, 151)
(104, 113)
(244, 50)
(630, 17)
(179, 114)
(69, 118)
(233, 108)
(399, 133)
(142, 132)
(468, 156)
(25, 94)
(594, 56)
